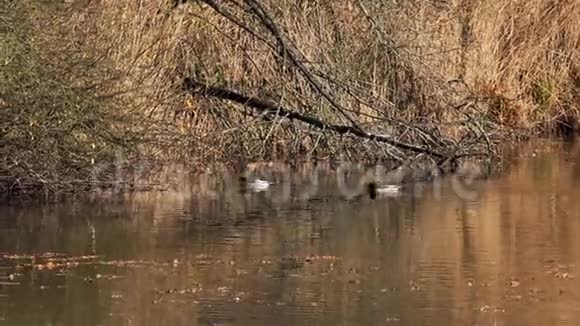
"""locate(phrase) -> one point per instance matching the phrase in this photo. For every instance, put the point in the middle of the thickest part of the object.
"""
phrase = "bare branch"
(264, 106)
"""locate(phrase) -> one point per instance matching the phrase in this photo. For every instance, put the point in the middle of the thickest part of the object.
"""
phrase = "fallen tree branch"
(269, 107)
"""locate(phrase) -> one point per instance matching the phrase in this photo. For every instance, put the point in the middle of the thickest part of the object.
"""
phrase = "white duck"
(255, 185)
(390, 190)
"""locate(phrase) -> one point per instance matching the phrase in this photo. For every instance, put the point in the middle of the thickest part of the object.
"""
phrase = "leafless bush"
(59, 113)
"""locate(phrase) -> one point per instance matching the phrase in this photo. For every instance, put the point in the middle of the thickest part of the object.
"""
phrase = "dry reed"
(456, 77)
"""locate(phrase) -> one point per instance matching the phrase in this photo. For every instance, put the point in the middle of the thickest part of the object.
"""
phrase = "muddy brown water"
(508, 255)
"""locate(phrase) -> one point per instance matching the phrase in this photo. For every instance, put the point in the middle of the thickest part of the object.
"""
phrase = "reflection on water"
(506, 257)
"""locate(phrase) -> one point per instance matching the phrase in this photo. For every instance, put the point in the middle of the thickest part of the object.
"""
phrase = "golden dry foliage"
(529, 54)
(446, 75)
(59, 106)
(376, 58)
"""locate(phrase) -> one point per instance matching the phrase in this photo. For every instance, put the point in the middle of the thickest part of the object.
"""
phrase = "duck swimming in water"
(255, 185)
(387, 190)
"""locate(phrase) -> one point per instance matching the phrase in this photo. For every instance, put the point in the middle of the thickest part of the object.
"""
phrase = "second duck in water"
(374, 190)
(255, 185)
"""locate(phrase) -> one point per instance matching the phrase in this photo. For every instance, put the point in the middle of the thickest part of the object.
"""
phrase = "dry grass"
(529, 55)
(379, 60)
(446, 75)
(364, 73)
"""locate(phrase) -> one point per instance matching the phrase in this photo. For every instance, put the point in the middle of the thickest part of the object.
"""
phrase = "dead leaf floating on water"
(560, 271)
(192, 290)
(487, 308)
(223, 290)
(564, 275)
(414, 286)
(117, 296)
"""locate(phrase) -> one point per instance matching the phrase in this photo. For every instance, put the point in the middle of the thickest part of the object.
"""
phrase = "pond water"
(504, 256)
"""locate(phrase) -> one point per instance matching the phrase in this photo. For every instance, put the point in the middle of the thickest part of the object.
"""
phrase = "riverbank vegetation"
(84, 83)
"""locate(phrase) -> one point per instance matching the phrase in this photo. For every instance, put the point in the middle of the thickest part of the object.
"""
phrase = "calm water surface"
(508, 256)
